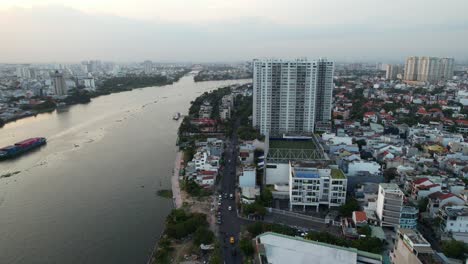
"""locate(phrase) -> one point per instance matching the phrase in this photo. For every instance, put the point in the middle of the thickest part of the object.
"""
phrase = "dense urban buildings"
(428, 69)
(291, 96)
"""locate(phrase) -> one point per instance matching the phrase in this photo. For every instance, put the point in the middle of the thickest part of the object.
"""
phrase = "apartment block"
(314, 184)
(291, 96)
(389, 204)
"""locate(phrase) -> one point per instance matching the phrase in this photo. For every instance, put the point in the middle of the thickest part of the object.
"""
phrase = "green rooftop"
(337, 174)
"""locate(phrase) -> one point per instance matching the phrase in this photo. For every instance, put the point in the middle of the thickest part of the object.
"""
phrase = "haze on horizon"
(207, 30)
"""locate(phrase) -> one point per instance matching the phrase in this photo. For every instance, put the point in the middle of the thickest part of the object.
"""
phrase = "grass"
(165, 193)
(337, 174)
(290, 144)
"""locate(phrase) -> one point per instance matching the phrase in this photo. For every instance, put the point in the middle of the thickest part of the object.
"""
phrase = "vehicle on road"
(231, 196)
(219, 203)
(230, 208)
(232, 240)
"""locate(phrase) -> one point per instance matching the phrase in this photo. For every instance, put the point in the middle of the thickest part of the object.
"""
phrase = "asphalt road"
(231, 224)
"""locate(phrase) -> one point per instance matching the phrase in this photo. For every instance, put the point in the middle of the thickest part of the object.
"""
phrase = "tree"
(348, 208)
(422, 204)
(369, 244)
(2, 123)
(390, 174)
(246, 247)
(266, 197)
(365, 230)
(255, 229)
(454, 249)
(203, 236)
(361, 142)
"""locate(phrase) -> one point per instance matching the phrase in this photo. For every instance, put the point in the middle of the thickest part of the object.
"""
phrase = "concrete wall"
(280, 174)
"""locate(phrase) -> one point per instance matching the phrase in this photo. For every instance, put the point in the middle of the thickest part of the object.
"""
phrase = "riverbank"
(176, 195)
(109, 86)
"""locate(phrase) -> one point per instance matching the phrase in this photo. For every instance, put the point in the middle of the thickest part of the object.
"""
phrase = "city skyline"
(65, 31)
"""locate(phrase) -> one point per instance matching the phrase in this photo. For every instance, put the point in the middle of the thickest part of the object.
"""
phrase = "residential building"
(248, 177)
(409, 217)
(454, 219)
(439, 200)
(290, 96)
(392, 71)
(428, 69)
(411, 248)
(60, 85)
(356, 167)
(389, 204)
(315, 184)
(148, 66)
(277, 248)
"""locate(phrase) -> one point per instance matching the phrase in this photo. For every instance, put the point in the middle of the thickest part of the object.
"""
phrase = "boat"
(21, 147)
(176, 116)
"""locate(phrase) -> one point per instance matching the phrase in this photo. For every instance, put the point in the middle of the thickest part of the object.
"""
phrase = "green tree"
(365, 230)
(348, 208)
(369, 244)
(203, 236)
(266, 197)
(390, 174)
(422, 204)
(454, 249)
(246, 247)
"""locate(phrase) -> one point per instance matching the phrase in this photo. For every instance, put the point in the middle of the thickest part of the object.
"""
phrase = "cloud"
(61, 34)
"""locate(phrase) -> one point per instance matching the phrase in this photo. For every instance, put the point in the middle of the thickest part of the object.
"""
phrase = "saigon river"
(89, 195)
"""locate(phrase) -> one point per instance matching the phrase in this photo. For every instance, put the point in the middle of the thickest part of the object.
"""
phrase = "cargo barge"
(21, 147)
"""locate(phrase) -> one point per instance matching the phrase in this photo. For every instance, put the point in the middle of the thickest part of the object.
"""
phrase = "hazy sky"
(207, 30)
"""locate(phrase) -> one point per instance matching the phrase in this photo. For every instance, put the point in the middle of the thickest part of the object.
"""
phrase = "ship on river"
(176, 116)
(21, 147)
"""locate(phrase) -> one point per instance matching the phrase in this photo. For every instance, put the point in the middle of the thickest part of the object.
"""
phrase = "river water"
(89, 195)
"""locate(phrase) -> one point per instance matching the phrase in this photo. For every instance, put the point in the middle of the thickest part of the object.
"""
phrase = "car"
(232, 240)
(219, 203)
(225, 195)
(220, 197)
(230, 208)
(219, 222)
(231, 196)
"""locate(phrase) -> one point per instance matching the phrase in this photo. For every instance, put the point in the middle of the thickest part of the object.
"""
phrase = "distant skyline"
(222, 31)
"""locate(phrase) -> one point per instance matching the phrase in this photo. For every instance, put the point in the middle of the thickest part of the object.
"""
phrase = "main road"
(230, 222)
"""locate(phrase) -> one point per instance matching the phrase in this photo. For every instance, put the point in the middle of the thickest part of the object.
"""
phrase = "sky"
(236, 30)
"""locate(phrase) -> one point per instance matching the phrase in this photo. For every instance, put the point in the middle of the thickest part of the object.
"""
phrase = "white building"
(60, 85)
(389, 204)
(290, 96)
(356, 167)
(248, 177)
(311, 184)
(277, 248)
(454, 219)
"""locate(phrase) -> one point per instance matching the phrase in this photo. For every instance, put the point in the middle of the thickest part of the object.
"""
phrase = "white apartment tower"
(290, 96)
(389, 204)
(60, 85)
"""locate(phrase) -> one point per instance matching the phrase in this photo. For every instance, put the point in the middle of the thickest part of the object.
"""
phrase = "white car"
(230, 208)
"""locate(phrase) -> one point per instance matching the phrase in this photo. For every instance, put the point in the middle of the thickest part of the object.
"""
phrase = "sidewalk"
(177, 198)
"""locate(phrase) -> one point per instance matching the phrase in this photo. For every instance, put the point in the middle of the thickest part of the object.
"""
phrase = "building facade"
(60, 85)
(290, 96)
(389, 204)
(428, 69)
(392, 71)
(313, 185)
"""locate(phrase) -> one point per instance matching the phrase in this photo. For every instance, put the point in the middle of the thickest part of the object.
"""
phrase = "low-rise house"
(439, 200)
(423, 187)
(359, 218)
(355, 167)
(454, 221)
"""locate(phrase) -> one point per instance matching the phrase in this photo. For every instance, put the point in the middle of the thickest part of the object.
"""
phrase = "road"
(231, 224)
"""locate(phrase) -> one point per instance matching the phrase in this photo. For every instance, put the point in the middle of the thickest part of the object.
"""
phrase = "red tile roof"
(360, 216)
(420, 180)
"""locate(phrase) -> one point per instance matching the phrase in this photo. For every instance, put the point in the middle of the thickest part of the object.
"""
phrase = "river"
(89, 195)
